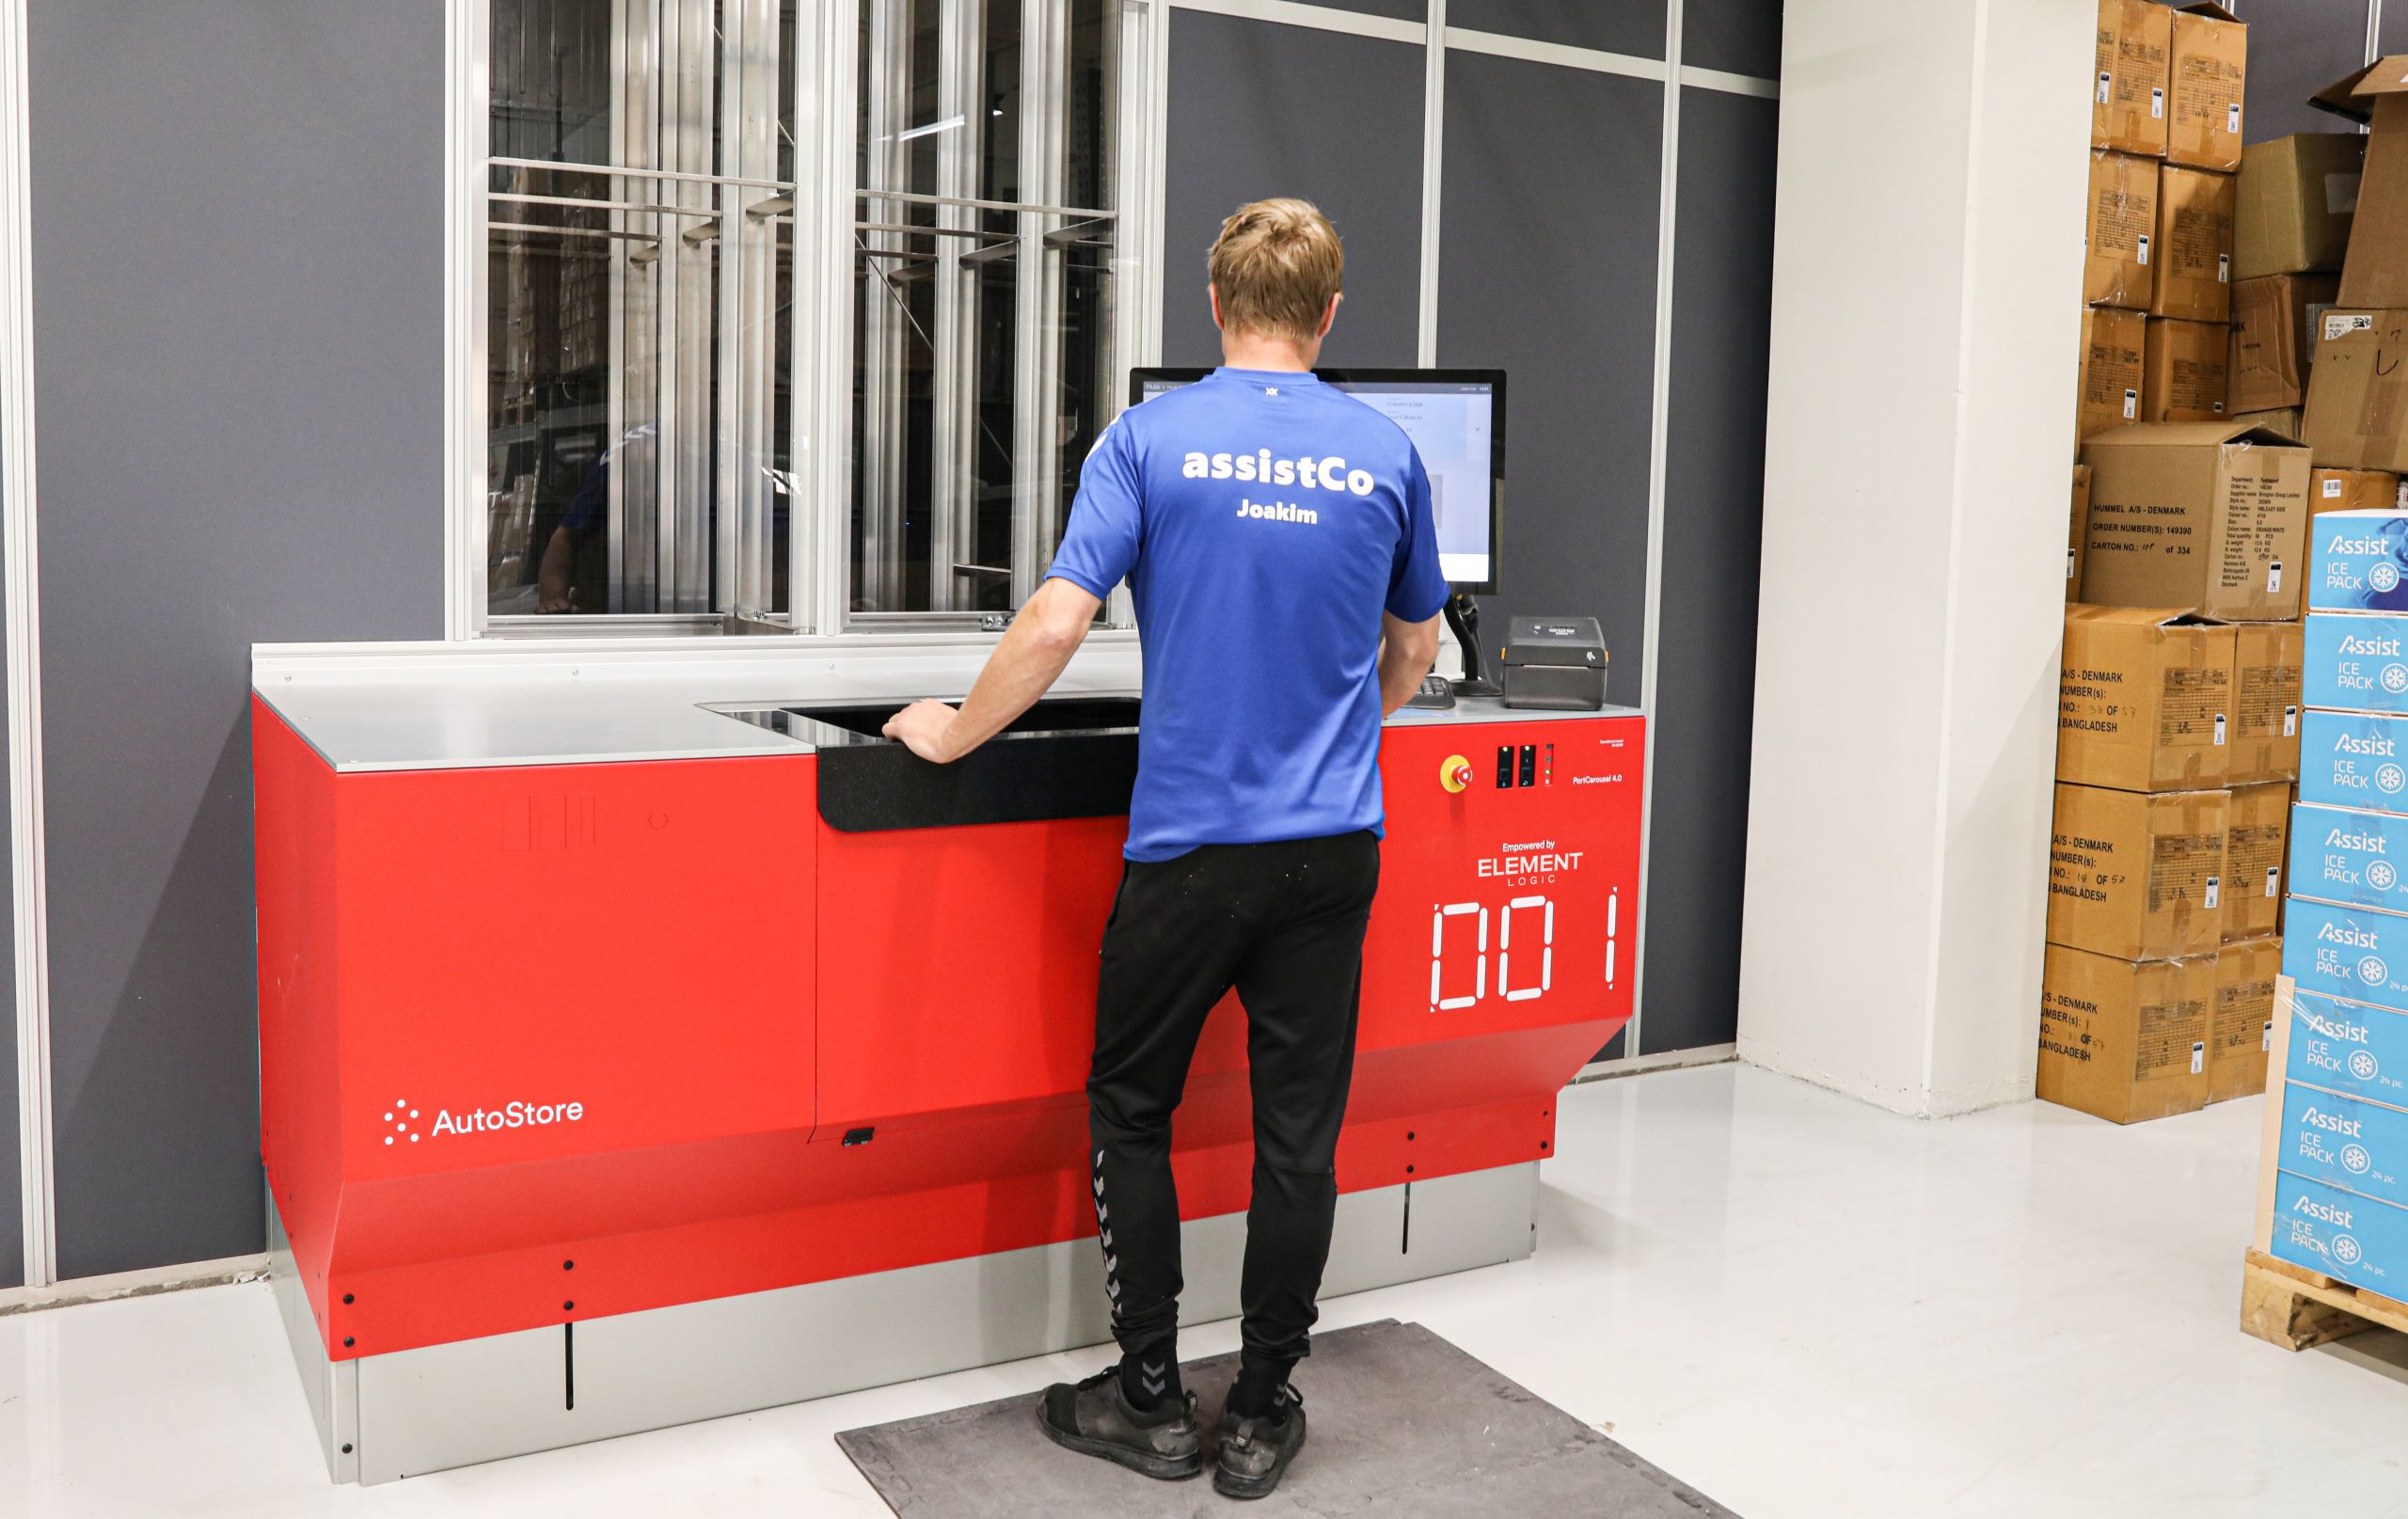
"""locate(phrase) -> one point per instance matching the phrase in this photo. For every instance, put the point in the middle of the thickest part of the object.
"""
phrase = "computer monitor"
(1456, 418)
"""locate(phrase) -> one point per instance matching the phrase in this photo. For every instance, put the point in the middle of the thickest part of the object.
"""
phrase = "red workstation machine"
(632, 1051)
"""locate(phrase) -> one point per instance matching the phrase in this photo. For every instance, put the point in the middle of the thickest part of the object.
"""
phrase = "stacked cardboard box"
(2179, 717)
(2337, 1119)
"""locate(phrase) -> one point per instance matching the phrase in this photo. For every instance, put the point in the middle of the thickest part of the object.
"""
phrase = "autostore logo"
(404, 1124)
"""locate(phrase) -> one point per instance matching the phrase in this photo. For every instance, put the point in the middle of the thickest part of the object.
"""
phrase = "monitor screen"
(1455, 419)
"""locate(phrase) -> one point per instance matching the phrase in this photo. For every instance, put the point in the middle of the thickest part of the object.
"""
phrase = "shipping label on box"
(2125, 1040)
(2354, 663)
(2355, 858)
(2211, 516)
(2350, 1047)
(2265, 702)
(2137, 877)
(2131, 77)
(2121, 232)
(2357, 562)
(2349, 952)
(2346, 1236)
(2357, 402)
(2344, 1142)
(2257, 823)
(2241, 1028)
(2354, 759)
(2144, 699)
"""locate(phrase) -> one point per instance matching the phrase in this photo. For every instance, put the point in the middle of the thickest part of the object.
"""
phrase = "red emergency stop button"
(1454, 773)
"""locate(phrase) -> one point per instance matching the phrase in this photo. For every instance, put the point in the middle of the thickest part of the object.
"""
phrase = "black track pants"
(1282, 923)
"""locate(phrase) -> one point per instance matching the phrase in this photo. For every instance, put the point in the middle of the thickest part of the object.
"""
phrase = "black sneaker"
(1255, 1452)
(1096, 1418)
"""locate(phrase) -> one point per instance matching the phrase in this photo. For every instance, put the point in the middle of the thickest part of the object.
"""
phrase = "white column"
(1927, 288)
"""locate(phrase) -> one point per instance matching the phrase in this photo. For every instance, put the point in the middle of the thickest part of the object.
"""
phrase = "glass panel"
(982, 365)
(638, 358)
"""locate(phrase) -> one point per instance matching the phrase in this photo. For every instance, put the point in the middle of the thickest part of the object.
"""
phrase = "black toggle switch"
(1504, 766)
(1529, 765)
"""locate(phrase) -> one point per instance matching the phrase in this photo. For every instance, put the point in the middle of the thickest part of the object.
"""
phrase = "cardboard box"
(2350, 858)
(2283, 421)
(2351, 490)
(2124, 1041)
(2144, 700)
(2273, 342)
(2114, 350)
(2182, 378)
(2348, 1048)
(2129, 102)
(2341, 1234)
(2192, 254)
(2357, 562)
(2345, 1142)
(2257, 825)
(2207, 72)
(2266, 658)
(2357, 408)
(2354, 663)
(2206, 514)
(2376, 272)
(2137, 876)
(2354, 953)
(2076, 531)
(2293, 203)
(2240, 1030)
(2121, 232)
(2354, 759)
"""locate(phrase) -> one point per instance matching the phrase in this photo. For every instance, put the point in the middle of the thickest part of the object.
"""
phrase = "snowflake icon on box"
(2382, 876)
(2383, 576)
(2364, 1066)
(2355, 1158)
(2372, 970)
(399, 1120)
(2347, 1250)
(2390, 778)
(2395, 678)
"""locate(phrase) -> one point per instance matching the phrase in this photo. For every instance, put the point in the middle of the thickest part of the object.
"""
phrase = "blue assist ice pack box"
(2350, 856)
(2349, 1238)
(2358, 561)
(2343, 1142)
(2354, 759)
(2349, 1048)
(2356, 953)
(2358, 664)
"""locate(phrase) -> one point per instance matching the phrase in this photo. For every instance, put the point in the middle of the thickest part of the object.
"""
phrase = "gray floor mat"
(1404, 1425)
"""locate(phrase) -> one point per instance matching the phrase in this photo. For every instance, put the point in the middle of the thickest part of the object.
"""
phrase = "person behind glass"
(1277, 541)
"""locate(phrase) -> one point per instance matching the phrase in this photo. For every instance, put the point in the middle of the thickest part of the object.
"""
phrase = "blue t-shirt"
(1263, 522)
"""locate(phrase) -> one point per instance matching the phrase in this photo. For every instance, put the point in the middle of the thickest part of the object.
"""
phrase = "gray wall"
(238, 262)
(1714, 522)
(2296, 48)
(1332, 117)
(12, 1240)
(1547, 244)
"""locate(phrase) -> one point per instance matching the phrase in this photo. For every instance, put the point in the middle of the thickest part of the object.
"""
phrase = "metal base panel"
(416, 1410)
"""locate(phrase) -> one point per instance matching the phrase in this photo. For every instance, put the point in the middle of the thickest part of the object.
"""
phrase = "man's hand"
(925, 728)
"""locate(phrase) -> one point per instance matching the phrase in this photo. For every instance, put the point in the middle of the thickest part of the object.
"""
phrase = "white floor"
(1802, 1306)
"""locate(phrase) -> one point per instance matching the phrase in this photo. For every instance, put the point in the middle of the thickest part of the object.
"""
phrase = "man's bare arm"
(1032, 656)
(1407, 649)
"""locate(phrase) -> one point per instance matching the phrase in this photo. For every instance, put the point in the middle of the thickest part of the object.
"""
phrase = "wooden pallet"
(2296, 1309)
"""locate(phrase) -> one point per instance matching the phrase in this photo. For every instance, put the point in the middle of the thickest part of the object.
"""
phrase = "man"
(1277, 541)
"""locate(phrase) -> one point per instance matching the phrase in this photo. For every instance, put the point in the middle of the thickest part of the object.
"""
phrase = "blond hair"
(1274, 266)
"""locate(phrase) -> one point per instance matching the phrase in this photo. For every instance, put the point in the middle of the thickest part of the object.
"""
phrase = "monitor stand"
(1462, 616)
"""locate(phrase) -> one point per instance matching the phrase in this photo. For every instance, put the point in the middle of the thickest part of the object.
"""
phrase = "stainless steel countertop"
(370, 707)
